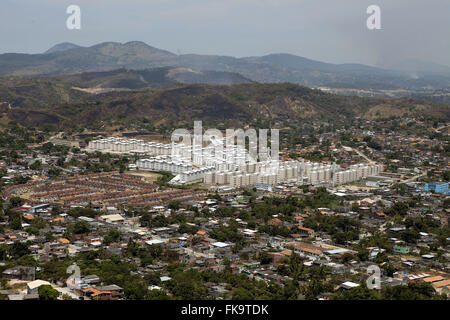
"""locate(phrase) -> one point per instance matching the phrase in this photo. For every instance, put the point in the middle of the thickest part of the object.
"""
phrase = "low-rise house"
(217, 268)
(305, 232)
(90, 279)
(401, 250)
(33, 286)
(348, 285)
(305, 249)
(442, 286)
(112, 218)
(157, 267)
(110, 292)
(19, 273)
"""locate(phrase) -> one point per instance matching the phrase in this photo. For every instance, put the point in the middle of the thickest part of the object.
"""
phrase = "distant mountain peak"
(62, 47)
(136, 43)
(131, 47)
(124, 44)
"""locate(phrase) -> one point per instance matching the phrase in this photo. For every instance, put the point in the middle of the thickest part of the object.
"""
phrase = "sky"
(327, 30)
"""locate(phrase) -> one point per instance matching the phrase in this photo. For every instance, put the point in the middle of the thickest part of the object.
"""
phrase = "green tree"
(113, 235)
(174, 205)
(399, 208)
(242, 294)
(389, 269)
(265, 258)
(81, 227)
(413, 291)
(37, 165)
(15, 221)
(46, 292)
(157, 295)
(363, 254)
(19, 249)
(54, 172)
(410, 236)
(16, 202)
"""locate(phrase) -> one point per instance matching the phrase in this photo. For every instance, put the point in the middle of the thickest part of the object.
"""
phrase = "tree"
(60, 162)
(313, 289)
(16, 202)
(49, 236)
(81, 227)
(295, 265)
(446, 175)
(19, 249)
(389, 269)
(157, 295)
(174, 205)
(242, 294)
(171, 255)
(54, 172)
(46, 292)
(265, 258)
(15, 221)
(185, 228)
(290, 290)
(413, 291)
(399, 208)
(410, 236)
(37, 165)
(358, 293)
(3, 251)
(363, 254)
(65, 296)
(113, 235)
(135, 289)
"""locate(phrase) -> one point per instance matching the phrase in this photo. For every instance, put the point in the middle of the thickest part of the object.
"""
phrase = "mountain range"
(113, 83)
(68, 58)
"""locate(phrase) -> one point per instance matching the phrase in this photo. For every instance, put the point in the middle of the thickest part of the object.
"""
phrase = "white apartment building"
(123, 145)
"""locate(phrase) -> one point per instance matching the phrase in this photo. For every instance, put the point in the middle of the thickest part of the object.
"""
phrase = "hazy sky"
(327, 30)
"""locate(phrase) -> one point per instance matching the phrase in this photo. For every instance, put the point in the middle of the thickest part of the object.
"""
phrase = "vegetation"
(46, 292)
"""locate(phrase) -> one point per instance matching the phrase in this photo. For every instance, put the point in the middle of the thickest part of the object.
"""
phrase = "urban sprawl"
(146, 219)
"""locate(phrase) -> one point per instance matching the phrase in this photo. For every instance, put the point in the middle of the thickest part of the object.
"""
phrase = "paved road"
(361, 154)
(414, 178)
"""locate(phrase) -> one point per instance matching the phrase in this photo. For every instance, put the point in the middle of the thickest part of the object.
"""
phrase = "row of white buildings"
(192, 175)
(232, 165)
(294, 172)
(164, 163)
(224, 157)
(122, 145)
(183, 170)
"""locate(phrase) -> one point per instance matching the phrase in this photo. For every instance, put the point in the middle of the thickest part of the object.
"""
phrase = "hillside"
(62, 47)
(53, 100)
(71, 59)
(155, 78)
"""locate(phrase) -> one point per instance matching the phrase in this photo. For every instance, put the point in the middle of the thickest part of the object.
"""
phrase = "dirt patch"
(149, 176)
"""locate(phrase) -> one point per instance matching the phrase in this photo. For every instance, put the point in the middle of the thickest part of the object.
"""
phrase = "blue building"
(436, 188)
